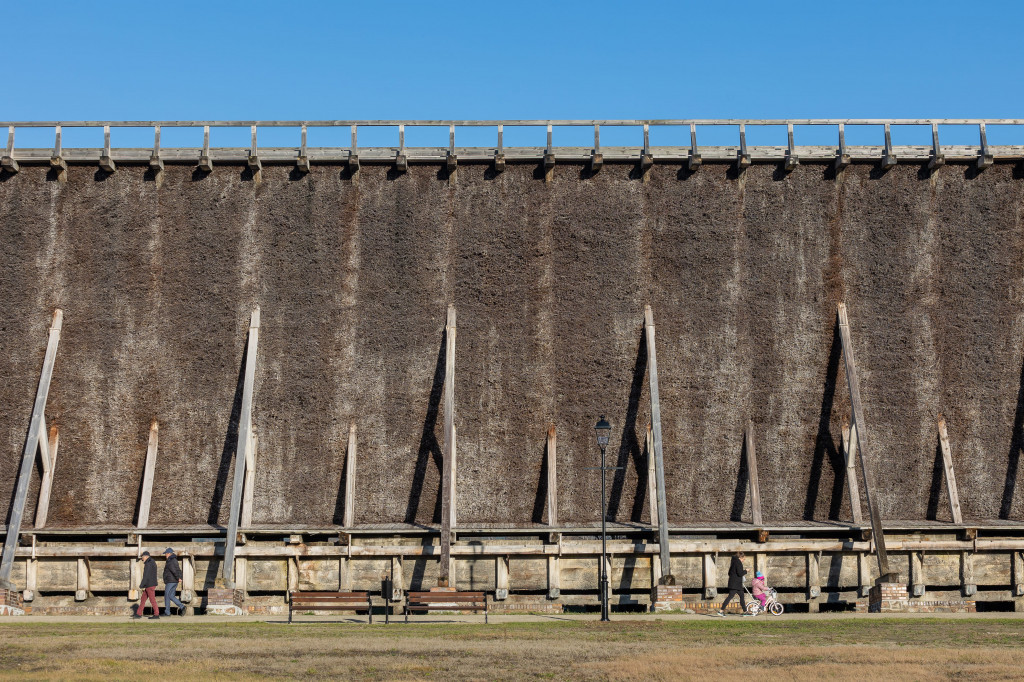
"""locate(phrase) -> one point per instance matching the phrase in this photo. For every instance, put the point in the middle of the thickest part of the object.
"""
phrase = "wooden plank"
(659, 460)
(858, 424)
(552, 476)
(863, 574)
(148, 473)
(188, 578)
(397, 578)
(755, 489)
(850, 455)
(43, 505)
(344, 574)
(31, 579)
(652, 481)
(134, 578)
(448, 464)
(947, 463)
(293, 574)
(249, 488)
(350, 478)
(28, 455)
(241, 450)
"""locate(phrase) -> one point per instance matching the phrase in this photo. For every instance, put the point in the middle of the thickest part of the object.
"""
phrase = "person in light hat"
(172, 576)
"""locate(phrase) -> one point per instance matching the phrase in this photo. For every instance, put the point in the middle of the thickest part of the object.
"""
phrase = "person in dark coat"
(148, 587)
(172, 576)
(736, 573)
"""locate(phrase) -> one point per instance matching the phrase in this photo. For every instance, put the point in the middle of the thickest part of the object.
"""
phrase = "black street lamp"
(603, 430)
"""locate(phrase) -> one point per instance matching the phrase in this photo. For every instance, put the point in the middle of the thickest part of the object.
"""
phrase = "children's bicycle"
(771, 604)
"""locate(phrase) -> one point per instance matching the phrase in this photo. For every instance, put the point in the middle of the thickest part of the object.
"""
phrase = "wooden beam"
(397, 578)
(863, 573)
(28, 455)
(448, 464)
(755, 489)
(293, 573)
(52, 446)
(652, 480)
(349, 517)
(134, 578)
(850, 455)
(147, 475)
(659, 460)
(501, 578)
(858, 425)
(242, 447)
(947, 464)
(813, 575)
(552, 476)
(249, 488)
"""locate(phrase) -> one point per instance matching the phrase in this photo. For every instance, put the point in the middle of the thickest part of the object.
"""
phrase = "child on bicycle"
(760, 587)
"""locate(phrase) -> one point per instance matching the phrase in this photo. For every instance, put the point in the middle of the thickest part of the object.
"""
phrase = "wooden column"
(917, 583)
(849, 447)
(864, 573)
(755, 489)
(659, 460)
(947, 465)
(31, 579)
(188, 578)
(554, 577)
(710, 576)
(344, 574)
(249, 488)
(349, 517)
(813, 575)
(242, 448)
(147, 475)
(448, 473)
(29, 453)
(1017, 569)
(652, 483)
(968, 584)
(501, 578)
(134, 578)
(49, 456)
(293, 574)
(552, 477)
(82, 587)
(857, 427)
(397, 578)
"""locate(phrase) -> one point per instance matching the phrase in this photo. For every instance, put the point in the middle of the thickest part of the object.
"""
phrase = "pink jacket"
(759, 585)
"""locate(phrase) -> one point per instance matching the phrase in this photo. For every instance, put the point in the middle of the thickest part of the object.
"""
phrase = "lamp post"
(603, 430)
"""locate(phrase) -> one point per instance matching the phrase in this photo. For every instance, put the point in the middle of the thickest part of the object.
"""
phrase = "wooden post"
(947, 463)
(850, 454)
(344, 574)
(755, 489)
(188, 578)
(134, 567)
(31, 579)
(969, 586)
(554, 577)
(1017, 568)
(813, 576)
(249, 489)
(552, 477)
(858, 427)
(652, 480)
(761, 563)
(710, 576)
(242, 448)
(659, 460)
(82, 588)
(447, 475)
(397, 578)
(864, 573)
(917, 583)
(49, 464)
(501, 578)
(350, 478)
(293, 573)
(147, 475)
(29, 453)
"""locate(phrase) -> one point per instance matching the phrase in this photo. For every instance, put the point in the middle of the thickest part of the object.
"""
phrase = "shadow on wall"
(825, 443)
(629, 446)
(429, 447)
(230, 443)
(1013, 460)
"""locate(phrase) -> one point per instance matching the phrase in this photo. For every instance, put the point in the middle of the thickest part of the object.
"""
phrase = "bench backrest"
(329, 597)
(446, 597)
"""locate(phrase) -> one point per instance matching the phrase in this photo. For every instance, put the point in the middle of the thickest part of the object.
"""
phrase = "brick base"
(10, 603)
(225, 602)
(666, 598)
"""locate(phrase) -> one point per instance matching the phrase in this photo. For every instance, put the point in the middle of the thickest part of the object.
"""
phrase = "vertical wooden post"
(242, 574)
(350, 478)
(947, 463)
(554, 577)
(659, 460)
(82, 587)
(864, 573)
(28, 455)
(917, 582)
(448, 464)
(501, 578)
(652, 484)
(31, 579)
(1017, 569)
(345, 574)
(850, 455)
(710, 576)
(147, 475)
(397, 578)
(813, 575)
(552, 477)
(133, 579)
(249, 488)
(49, 464)
(188, 578)
(242, 448)
(969, 586)
(293, 574)
(755, 489)
(853, 384)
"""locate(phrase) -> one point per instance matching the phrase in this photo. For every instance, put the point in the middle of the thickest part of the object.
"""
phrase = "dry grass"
(648, 650)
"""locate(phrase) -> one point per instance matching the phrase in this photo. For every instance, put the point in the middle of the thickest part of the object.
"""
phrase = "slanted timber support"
(947, 465)
(850, 455)
(32, 444)
(552, 462)
(242, 449)
(448, 464)
(49, 443)
(147, 475)
(652, 479)
(857, 428)
(249, 488)
(755, 490)
(659, 460)
(350, 478)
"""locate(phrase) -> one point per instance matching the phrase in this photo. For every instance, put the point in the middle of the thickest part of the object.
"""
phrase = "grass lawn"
(632, 650)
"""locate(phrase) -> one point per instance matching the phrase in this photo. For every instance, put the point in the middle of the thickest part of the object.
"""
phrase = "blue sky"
(474, 60)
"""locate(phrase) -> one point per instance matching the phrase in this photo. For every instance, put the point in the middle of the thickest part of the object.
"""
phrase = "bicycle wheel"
(753, 607)
(776, 609)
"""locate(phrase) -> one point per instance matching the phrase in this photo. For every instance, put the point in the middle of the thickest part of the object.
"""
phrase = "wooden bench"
(330, 601)
(445, 601)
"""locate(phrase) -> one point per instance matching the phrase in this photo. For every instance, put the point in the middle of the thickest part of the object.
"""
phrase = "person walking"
(736, 573)
(172, 576)
(148, 587)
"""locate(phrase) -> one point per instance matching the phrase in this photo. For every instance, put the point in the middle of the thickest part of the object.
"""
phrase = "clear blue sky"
(522, 59)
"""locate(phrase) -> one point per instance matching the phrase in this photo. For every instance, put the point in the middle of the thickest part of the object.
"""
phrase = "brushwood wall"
(550, 281)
